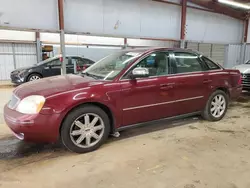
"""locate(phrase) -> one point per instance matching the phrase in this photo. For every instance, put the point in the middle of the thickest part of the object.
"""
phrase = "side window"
(157, 63)
(78, 61)
(55, 63)
(211, 65)
(185, 62)
(87, 61)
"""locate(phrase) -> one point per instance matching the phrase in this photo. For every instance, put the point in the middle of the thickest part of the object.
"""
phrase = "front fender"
(64, 103)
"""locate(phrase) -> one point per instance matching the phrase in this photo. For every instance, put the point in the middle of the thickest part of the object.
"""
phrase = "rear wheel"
(85, 129)
(216, 106)
(33, 77)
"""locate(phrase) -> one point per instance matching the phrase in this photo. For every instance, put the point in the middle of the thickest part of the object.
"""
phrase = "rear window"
(211, 65)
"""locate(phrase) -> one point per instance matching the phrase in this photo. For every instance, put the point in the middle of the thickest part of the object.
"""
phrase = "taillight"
(240, 80)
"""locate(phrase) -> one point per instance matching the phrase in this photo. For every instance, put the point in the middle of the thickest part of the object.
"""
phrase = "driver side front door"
(53, 68)
(142, 98)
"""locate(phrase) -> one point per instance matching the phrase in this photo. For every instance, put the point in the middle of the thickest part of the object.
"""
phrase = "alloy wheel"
(87, 130)
(218, 106)
(34, 77)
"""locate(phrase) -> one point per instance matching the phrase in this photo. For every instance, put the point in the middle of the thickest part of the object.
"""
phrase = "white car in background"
(245, 72)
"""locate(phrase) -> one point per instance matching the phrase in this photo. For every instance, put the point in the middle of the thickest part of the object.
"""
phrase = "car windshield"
(109, 67)
(48, 60)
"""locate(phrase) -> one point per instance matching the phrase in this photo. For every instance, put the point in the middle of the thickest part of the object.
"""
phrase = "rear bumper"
(33, 128)
(235, 92)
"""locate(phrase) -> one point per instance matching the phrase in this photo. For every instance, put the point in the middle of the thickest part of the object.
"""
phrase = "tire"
(208, 113)
(33, 77)
(73, 132)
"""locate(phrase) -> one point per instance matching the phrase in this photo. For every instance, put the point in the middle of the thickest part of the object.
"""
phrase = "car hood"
(24, 68)
(55, 85)
(244, 68)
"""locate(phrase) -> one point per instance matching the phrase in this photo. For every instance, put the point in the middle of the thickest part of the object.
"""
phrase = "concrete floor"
(190, 153)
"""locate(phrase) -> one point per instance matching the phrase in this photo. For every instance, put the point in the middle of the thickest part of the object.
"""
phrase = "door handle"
(207, 81)
(167, 86)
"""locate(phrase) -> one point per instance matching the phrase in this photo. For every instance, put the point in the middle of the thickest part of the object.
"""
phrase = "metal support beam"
(246, 24)
(38, 47)
(63, 56)
(62, 35)
(14, 54)
(183, 22)
(243, 53)
(125, 43)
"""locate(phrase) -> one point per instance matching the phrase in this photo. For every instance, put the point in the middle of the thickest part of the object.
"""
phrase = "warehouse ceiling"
(239, 9)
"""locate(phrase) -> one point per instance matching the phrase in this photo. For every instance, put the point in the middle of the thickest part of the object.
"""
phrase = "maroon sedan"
(124, 89)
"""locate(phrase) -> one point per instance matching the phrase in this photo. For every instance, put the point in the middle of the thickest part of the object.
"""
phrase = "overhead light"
(235, 4)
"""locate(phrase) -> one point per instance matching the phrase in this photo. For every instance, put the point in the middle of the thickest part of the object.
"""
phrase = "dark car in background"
(49, 67)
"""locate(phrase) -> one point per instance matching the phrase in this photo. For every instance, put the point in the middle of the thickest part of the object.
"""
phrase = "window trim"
(208, 68)
(48, 64)
(121, 78)
(202, 64)
(141, 59)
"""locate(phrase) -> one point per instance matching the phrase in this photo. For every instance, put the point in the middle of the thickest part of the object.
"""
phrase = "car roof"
(152, 49)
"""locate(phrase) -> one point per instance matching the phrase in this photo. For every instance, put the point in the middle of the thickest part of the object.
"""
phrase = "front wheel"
(216, 106)
(33, 77)
(85, 129)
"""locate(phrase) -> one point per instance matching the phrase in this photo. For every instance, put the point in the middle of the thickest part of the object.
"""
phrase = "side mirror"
(140, 73)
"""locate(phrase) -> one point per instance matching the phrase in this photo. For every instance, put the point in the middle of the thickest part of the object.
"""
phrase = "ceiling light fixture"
(235, 4)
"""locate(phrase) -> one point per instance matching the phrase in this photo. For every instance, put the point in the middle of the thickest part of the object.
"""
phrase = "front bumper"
(33, 128)
(246, 81)
(16, 79)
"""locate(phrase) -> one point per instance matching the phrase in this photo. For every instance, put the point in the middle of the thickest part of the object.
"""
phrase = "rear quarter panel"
(226, 79)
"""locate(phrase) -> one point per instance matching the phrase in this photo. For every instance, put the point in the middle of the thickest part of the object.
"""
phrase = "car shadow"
(11, 148)
(156, 126)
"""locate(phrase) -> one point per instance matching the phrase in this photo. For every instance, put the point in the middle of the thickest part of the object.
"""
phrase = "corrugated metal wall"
(247, 53)
(6, 60)
(25, 54)
(233, 55)
(14, 56)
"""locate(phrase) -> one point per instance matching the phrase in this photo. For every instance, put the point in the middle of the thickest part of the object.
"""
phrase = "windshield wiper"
(91, 75)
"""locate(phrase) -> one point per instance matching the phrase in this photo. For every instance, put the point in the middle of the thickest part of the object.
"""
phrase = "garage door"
(192, 46)
(218, 53)
(205, 49)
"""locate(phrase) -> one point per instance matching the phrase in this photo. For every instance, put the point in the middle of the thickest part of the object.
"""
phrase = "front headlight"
(31, 104)
(21, 72)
